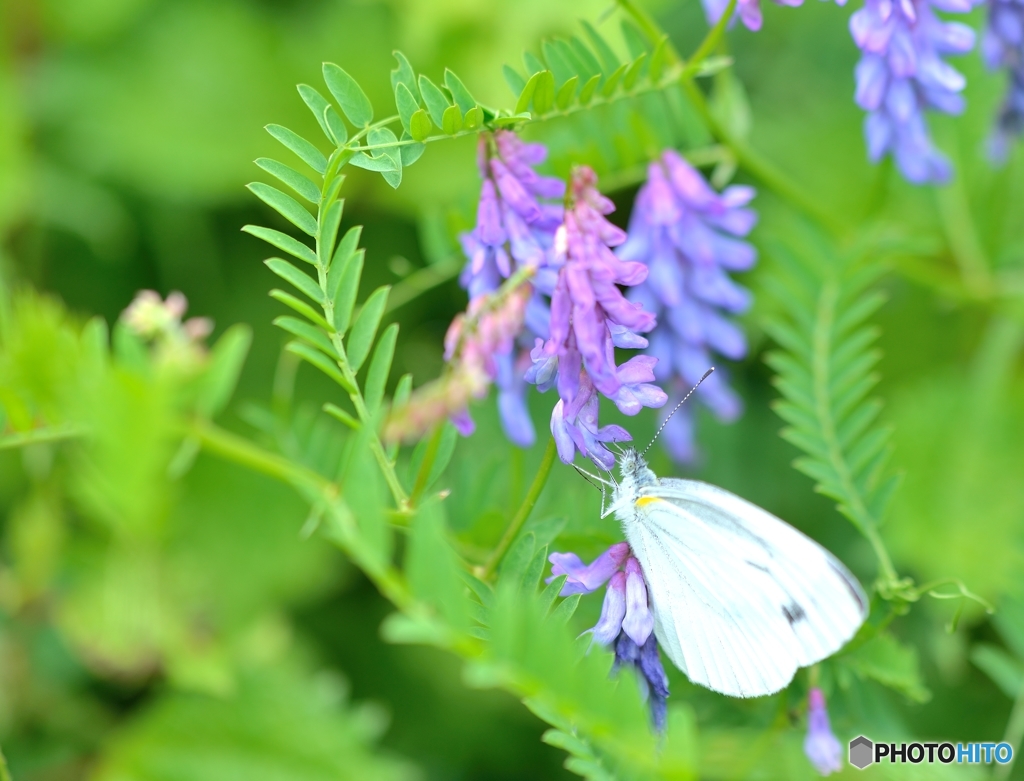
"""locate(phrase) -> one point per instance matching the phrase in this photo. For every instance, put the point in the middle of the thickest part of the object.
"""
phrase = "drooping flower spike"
(516, 223)
(1002, 46)
(590, 318)
(821, 746)
(902, 74)
(689, 237)
(626, 623)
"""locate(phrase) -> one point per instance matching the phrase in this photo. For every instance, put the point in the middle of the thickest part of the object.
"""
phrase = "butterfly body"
(741, 600)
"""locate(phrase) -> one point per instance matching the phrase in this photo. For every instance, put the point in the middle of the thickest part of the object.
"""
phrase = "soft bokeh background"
(127, 131)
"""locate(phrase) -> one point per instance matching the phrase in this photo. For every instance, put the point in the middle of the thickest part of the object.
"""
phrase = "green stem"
(710, 42)
(5, 774)
(422, 280)
(39, 435)
(532, 495)
(427, 465)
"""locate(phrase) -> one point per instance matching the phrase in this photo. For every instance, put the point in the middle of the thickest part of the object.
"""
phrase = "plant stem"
(39, 435)
(427, 465)
(1014, 734)
(523, 513)
(422, 280)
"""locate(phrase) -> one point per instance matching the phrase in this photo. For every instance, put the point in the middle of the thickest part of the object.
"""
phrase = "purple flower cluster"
(626, 622)
(821, 746)
(590, 318)
(515, 229)
(1002, 46)
(686, 233)
(902, 73)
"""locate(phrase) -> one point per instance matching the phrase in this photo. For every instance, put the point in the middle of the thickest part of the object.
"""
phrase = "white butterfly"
(740, 598)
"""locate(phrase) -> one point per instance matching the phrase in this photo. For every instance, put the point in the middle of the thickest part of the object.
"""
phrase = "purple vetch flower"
(821, 746)
(590, 318)
(626, 623)
(902, 73)
(1002, 46)
(515, 229)
(749, 11)
(687, 235)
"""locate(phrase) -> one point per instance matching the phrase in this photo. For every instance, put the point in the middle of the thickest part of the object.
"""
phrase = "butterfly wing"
(741, 599)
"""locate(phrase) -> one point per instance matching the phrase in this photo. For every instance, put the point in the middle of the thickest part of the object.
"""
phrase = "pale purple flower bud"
(646, 661)
(690, 238)
(639, 621)
(613, 610)
(584, 578)
(821, 746)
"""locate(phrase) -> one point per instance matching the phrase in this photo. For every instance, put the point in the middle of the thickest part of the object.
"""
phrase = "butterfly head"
(633, 468)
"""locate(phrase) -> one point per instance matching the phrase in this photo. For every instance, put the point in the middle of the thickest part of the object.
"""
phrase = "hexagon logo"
(862, 752)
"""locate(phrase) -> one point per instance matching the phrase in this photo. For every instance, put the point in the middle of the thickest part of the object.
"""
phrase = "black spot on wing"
(793, 613)
(757, 566)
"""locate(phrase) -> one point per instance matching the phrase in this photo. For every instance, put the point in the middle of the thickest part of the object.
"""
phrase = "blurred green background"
(214, 641)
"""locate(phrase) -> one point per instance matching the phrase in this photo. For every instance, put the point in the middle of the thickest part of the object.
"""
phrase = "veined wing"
(741, 599)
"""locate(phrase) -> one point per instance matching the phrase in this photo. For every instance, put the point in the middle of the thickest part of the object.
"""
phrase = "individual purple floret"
(590, 318)
(685, 233)
(626, 622)
(515, 228)
(821, 746)
(1002, 46)
(902, 73)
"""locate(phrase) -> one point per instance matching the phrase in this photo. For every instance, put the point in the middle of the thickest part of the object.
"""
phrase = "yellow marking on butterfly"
(643, 501)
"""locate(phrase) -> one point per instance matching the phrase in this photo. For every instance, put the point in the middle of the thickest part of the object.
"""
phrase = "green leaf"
(316, 103)
(410, 153)
(339, 414)
(381, 164)
(402, 393)
(587, 90)
(285, 205)
(532, 63)
(634, 72)
(301, 281)
(420, 125)
(329, 232)
(517, 560)
(346, 248)
(451, 122)
(276, 723)
(544, 93)
(306, 152)
(406, 104)
(557, 62)
(434, 100)
(309, 333)
(609, 61)
(658, 59)
(383, 135)
(891, 663)
(442, 457)
(515, 82)
(302, 185)
(637, 42)
(380, 368)
(301, 307)
(223, 369)
(460, 94)
(566, 93)
(365, 327)
(474, 118)
(526, 94)
(583, 55)
(316, 358)
(404, 74)
(363, 491)
(1009, 620)
(349, 95)
(282, 241)
(336, 125)
(433, 568)
(348, 288)
(612, 82)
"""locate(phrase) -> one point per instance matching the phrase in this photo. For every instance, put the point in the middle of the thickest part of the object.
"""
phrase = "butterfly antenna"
(586, 477)
(673, 412)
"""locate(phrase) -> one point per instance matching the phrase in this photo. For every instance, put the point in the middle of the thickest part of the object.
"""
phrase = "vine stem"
(532, 495)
